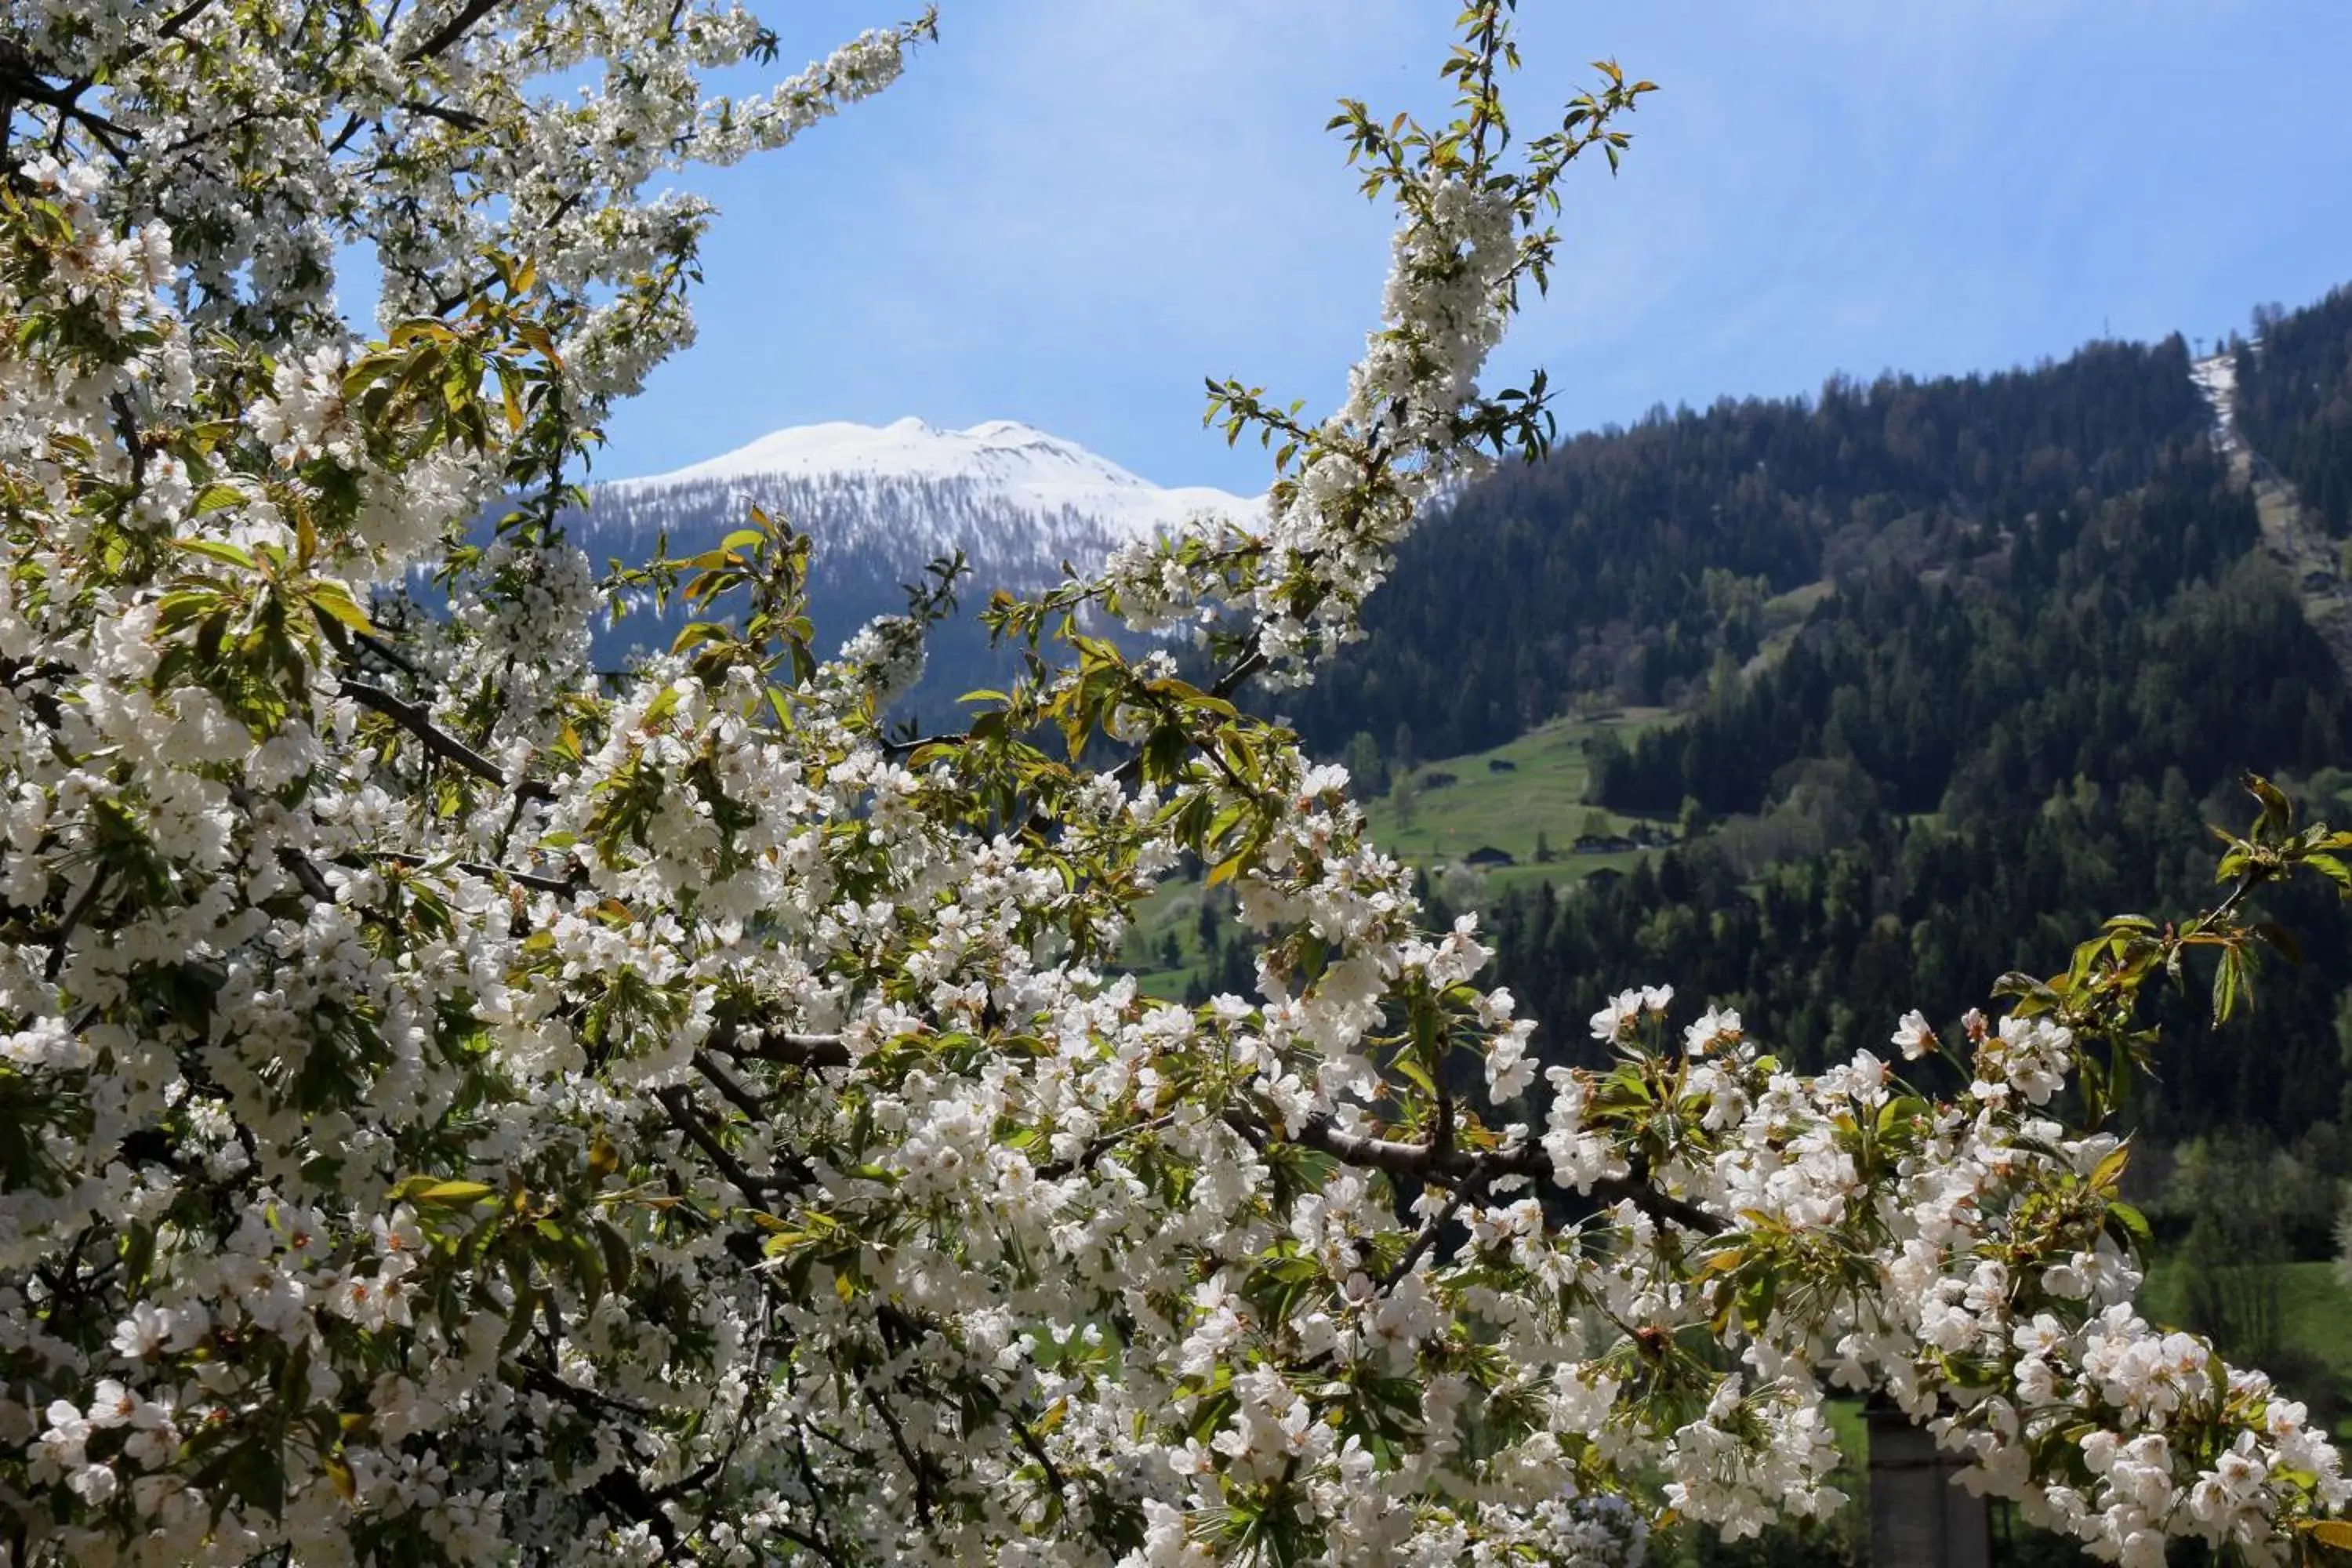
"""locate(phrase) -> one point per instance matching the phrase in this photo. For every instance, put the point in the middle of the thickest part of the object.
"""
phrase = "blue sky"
(1069, 212)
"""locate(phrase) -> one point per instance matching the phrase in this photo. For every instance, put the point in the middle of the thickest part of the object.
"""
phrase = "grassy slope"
(1784, 617)
(1542, 792)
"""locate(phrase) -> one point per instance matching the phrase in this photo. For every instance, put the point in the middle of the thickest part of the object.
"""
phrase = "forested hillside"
(2108, 640)
(2294, 401)
(2042, 643)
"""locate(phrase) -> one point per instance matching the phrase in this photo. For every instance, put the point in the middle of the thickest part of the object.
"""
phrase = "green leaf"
(509, 392)
(452, 1194)
(2278, 812)
(217, 497)
(334, 599)
(2228, 983)
(218, 549)
(1412, 1072)
(2334, 869)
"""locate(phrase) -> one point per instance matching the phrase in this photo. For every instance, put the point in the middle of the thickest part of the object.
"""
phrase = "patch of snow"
(2216, 377)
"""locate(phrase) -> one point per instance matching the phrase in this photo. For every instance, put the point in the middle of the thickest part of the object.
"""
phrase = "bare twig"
(1232, 680)
(1466, 1166)
(682, 1116)
(1427, 1238)
(915, 1467)
(463, 119)
(64, 935)
(413, 719)
(451, 31)
(532, 879)
(1044, 1460)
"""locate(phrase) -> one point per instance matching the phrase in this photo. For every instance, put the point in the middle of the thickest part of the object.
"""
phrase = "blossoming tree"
(456, 1109)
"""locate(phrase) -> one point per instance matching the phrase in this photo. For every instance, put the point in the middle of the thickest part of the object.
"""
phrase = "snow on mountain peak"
(1025, 468)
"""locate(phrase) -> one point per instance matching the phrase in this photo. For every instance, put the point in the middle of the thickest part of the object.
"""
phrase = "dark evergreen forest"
(1628, 560)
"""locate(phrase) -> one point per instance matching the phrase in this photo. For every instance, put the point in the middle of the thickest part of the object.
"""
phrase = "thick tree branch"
(179, 20)
(21, 82)
(734, 1093)
(305, 874)
(384, 651)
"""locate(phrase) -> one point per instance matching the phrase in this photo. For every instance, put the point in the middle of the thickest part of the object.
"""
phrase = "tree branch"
(1463, 1166)
(455, 29)
(179, 20)
(305, 874)
(73, 918)
(532, 879)
(384, 651)
(1427, 1238)
(1234, 680)
(20, 81)
(682, 1116)
(1044, 1460)
(464, 120)
(413, 719)
(758, 1044)
(734, 1093)
(915, 1467)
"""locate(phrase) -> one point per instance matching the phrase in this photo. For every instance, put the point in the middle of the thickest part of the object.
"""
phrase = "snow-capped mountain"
(880, 502)
(1021, 469)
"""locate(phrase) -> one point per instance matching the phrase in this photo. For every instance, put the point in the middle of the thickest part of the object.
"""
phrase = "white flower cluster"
(459, 1110)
